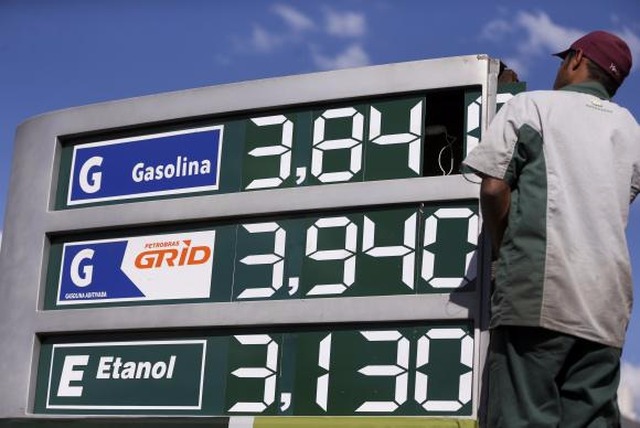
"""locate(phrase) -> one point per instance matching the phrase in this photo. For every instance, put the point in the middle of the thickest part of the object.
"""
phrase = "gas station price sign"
(296, 251)
(380, 139)
(415, 249)
(414, 369)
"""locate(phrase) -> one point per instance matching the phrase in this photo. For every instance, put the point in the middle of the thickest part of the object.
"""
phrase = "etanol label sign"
(149, 375)
(155, 267)
(158, 164)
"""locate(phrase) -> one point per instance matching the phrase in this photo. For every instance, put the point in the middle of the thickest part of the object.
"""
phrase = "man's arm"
(495, 200)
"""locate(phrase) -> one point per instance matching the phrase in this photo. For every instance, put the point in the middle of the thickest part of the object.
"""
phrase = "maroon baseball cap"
(607, 50)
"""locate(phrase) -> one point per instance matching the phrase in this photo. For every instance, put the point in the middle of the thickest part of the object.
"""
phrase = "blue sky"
(58, 54)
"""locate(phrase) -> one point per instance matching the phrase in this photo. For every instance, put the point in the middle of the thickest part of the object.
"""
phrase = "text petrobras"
(154, 267)
(149, 165)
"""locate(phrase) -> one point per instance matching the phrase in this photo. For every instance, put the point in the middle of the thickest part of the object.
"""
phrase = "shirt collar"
(590, 87)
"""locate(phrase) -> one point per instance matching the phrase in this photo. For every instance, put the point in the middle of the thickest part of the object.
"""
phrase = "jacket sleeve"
(497, 154)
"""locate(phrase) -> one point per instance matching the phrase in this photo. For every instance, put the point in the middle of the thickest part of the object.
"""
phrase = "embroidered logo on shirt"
(598, 105)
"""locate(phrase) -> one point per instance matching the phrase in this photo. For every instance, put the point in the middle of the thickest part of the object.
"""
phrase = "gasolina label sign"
(148, 375)
(154, 267)
(150, 165)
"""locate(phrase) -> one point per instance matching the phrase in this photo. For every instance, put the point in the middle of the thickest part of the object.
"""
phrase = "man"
(559, 170)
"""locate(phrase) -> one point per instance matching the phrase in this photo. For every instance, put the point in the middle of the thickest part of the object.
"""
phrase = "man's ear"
(576, 59)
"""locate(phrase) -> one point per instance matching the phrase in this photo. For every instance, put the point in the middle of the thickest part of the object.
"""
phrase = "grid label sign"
(154, 267)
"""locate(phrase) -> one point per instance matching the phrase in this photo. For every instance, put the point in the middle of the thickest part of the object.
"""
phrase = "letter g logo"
(82, 276)
(90, 182)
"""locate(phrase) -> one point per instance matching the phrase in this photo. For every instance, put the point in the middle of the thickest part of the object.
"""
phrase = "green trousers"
(540, 378)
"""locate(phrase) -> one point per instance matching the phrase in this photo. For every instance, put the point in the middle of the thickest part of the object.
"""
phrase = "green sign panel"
(380, 139)
(126, 376)
(407, 369)
(416, 249)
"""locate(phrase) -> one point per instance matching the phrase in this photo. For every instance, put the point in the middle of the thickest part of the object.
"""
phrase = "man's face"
(562, 77)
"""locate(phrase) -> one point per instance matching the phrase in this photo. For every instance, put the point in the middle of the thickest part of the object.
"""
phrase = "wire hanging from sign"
(436, 130)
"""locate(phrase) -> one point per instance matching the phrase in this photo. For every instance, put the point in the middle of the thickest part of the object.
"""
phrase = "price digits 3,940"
(371, 253)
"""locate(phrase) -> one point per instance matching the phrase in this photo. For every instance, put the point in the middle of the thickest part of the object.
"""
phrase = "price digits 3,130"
(398, 372)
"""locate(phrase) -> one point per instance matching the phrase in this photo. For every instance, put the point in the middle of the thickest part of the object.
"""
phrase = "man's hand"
(508, 76)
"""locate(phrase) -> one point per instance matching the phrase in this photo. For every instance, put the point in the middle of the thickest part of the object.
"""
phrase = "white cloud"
(615, 18)
(629, 391)
(301, 31)
(517, 65)
(534, 35)
(496, 30)
(633, 40)
(345, 24)
(294, 18)
(353, 56)
(543, 35)
(264, 41)
(222, 60)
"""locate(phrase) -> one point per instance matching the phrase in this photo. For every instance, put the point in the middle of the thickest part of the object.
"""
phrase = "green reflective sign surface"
(125, 376)
(325, 144)
(404, 369)
(414, 249)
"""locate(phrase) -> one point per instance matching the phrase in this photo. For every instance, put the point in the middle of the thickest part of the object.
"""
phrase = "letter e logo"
(69, 374)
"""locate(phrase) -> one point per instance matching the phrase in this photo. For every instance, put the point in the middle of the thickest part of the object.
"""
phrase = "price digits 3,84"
(322, 145)
(398, 371)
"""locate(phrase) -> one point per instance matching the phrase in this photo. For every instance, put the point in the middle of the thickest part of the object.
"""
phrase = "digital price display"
(401, 369)
(429, 248)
